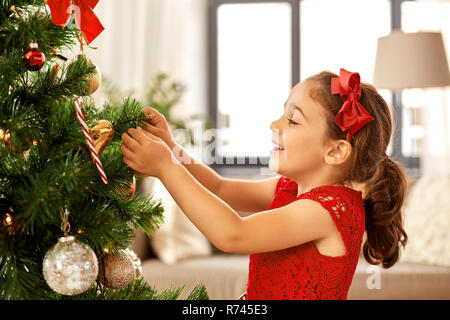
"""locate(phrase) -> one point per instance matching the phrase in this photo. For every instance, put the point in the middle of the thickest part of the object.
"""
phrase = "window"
(254, 56)
(260, 49)
(254, 72)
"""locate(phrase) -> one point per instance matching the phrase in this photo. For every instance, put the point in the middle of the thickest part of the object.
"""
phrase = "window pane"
(254, 75)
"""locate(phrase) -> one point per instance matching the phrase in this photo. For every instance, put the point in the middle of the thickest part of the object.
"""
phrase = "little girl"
(335, 182)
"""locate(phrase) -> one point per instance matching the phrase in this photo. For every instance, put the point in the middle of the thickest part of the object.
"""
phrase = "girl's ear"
(338, 153)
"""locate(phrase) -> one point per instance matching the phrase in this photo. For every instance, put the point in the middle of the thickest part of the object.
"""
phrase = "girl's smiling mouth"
(276, 146)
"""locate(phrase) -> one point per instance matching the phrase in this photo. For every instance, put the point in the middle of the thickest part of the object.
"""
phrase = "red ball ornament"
(33, 58)
(128, 191)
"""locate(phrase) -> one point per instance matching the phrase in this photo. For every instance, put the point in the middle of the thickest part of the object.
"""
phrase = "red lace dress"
(301, 272)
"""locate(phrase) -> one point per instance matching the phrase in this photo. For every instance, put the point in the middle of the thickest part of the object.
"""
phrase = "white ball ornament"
(70, 267)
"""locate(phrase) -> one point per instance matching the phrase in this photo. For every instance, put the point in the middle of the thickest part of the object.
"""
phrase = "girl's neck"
(302, 188)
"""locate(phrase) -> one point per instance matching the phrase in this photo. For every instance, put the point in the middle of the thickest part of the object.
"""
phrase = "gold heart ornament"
(102, 133)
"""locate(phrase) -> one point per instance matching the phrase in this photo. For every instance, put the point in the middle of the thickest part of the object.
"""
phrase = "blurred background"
(230, 64)
(239, 59)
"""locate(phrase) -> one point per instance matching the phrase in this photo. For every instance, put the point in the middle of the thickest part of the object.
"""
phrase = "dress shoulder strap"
(339, 202)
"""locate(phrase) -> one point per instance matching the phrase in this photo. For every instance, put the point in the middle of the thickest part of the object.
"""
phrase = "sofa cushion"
(427, 222)
(224, 275)
(402, 281)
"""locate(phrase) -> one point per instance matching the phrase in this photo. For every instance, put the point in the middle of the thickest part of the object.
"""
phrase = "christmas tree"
(68, 206)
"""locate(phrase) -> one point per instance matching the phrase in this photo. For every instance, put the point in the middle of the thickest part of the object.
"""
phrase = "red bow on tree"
(352, 115)
(84, 16)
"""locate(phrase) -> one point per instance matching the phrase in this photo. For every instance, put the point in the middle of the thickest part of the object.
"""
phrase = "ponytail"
(386, 192)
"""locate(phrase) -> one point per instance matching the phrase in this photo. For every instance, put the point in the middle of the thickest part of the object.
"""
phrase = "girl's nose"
(275, 125)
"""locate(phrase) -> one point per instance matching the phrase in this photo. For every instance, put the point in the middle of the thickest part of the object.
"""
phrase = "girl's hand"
(145, 153)
(158, 126)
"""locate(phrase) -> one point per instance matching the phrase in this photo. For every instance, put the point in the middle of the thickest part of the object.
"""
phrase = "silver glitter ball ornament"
(70, 267)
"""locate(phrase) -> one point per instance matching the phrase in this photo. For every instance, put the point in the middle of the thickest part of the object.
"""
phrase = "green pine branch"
(138, 289)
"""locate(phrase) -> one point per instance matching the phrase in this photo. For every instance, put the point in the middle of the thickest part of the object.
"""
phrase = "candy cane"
(88, 137)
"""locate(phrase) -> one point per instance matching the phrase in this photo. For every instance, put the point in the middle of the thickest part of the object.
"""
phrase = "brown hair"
(383, 177)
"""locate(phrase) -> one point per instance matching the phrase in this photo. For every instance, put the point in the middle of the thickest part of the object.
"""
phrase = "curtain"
(144, 37)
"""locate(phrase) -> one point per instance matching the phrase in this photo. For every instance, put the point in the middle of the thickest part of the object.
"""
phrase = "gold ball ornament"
(136, 261)
(95, 79)
(116, 270)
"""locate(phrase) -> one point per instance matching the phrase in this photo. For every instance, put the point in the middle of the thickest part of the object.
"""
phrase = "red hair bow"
(84, 16)
(352, 115)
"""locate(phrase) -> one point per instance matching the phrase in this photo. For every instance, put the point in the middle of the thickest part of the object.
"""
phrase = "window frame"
(411, 164)
(247, 164)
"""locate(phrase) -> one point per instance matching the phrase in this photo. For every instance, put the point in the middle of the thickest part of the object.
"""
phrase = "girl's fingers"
(137, 135)
(129, 142)
(148, 134)
(128, 162)
(153, 116)
(152, 129)
(127, 153)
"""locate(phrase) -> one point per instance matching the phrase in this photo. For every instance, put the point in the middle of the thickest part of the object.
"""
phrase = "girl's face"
(297, 135)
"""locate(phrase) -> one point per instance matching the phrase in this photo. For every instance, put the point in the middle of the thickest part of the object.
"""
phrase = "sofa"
(225, 275)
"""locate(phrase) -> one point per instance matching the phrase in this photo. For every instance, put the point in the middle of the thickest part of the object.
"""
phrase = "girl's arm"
(299, 222)
(241, 195)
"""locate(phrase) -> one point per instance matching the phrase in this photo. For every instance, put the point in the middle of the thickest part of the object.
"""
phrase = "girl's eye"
(292, 122)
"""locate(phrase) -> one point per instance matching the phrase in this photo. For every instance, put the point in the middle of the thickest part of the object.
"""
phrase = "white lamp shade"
(411, 60)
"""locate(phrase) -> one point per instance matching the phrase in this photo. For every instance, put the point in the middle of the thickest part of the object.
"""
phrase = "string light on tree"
(8, 219)
(13, 10)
